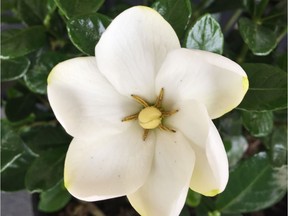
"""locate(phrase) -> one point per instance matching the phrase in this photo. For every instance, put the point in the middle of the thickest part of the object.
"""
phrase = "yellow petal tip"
(245, 83)
(212, 192)
(49, 78)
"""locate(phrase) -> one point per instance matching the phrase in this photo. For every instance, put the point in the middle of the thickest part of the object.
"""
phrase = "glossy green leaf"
(19, 108)
(54, 199)
(13, 178)
(176, 12)
(231, 124)
(267, 88)
(260, 40)
(252, 186)
(72, 8)
(23, 42)
(278, 146)
(205, 34)
(43, 138)
(193, 198)
(259, 124)
(36, 77)
(33, 12)
(235, 147)
(85, 31)
(11, 145)
(46, 171)
(12, 69)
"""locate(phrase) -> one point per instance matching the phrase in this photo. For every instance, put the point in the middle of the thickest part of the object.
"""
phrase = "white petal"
(192, 120)
(84, 102)
(166, 188)
(110, 166)
(210, 175)
(214, 80)
(132, 49)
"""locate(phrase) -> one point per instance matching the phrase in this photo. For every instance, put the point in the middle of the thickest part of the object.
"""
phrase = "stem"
(243, 54)
(232, 20)
(282, 35)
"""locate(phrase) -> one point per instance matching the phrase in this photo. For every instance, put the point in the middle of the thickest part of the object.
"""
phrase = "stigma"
(151, 116)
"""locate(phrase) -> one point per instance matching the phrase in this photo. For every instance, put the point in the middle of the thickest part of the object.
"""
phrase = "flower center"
(150, 117)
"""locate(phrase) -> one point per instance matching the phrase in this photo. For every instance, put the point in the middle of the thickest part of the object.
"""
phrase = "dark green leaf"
(33, 12)
(260, 7)
(19, 108)
(259, 124)
(12, 69)
(260, 40)
(13, 178)
(282, 61)
(85, 31)
(235, 147)
(184, 212)
(206, 35)
(193, 198)
(176, 12)
(46, 171)
(42, 138)
(230, 124)
(278, 146)
(72, 8)
(252, 186)
(23, 42)
(36, 77)
(54, 199)
(267, 88)
(11, 145)
(224, 5)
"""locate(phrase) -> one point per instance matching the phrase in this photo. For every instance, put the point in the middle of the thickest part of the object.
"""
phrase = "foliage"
(38, 34)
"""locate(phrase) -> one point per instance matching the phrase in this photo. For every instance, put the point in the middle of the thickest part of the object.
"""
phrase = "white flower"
(173, 145)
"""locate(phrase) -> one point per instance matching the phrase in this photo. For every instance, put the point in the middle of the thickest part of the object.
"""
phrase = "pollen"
(151, 116)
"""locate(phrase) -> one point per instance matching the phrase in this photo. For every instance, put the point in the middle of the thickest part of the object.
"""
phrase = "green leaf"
(33, 12)
(260, 40)
(252, 186)
(72, 8)
(43, 138)
(19, 108)
(230, 124)
(23, 42)
(176, 12)
(13, 178)
(193, 198)
(278, 146)
(85, 31)
(206, 35)
(11, 145)
(36, 77)
(259, 124)
(13, 69)
(54, 199)
(235, 147)
(184, 212)
(267, 88)
(260, 7)
(225, 5)
(46, 171)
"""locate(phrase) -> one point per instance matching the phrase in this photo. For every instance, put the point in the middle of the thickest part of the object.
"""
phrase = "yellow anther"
(150, 117)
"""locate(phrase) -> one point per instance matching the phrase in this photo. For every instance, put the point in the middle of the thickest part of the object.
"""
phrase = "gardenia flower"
(140, 113)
